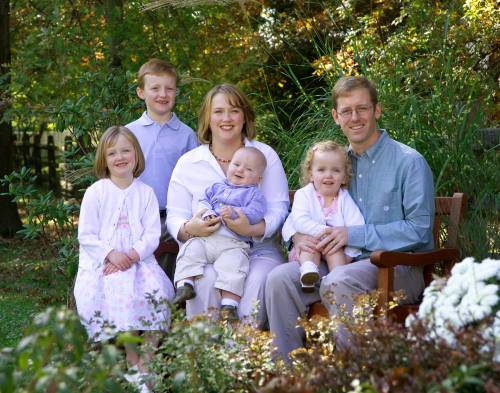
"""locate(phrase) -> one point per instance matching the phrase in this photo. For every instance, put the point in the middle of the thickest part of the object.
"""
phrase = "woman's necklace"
(220, 159)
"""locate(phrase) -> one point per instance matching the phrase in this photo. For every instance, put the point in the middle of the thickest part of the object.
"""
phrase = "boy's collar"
(232, 185)
(174, 122)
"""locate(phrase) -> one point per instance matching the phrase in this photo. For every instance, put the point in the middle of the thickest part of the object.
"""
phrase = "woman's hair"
(321, 147)
(108, 140)
(236, 98)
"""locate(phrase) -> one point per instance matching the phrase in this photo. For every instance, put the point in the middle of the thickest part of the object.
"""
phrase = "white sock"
(229, 302)
(180, 283)
(308, 266)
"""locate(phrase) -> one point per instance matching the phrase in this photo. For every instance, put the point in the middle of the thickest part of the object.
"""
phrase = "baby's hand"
(226, 211)
(109, 269)
(210, 217)
(120, 260)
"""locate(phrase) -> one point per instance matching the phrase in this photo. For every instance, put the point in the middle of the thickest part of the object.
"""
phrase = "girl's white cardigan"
(101, 207)
(307, 215)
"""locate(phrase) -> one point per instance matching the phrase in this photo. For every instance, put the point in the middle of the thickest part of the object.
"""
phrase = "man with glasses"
(394, 189)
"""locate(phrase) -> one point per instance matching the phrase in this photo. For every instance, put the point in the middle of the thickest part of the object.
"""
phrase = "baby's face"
(244, 169)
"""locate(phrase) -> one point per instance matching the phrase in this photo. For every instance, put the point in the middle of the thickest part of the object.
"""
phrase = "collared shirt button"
(361, 199)
(360, 175)
(373, 162)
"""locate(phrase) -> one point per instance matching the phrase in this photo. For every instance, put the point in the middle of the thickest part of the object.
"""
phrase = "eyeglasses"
(360, 110)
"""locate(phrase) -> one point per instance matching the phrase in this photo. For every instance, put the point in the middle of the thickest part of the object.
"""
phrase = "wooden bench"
(454, 207)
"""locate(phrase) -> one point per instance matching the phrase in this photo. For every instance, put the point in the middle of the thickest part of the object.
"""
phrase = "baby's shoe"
(229, 313)
(184, 293)
(309, 275)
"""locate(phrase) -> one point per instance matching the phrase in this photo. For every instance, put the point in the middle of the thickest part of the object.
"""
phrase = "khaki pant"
(285, 301)
(229, 257)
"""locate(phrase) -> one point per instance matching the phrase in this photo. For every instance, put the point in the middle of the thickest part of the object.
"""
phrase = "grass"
(29, 283)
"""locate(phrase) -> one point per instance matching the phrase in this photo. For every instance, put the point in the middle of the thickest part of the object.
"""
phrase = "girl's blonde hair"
(321, 147)
(108, 140)
(236, 98)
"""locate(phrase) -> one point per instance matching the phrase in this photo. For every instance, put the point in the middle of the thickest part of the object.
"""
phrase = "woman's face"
(226, 121)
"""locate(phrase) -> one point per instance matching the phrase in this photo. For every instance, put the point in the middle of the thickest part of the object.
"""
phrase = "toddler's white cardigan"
(99, 214)
(307, 215)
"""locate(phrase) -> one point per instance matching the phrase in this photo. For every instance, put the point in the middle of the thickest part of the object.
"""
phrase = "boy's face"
(159, 94)
(244, 169)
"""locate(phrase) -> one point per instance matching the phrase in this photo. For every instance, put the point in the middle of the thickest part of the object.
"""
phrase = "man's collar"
(374, 151)
(174, 122)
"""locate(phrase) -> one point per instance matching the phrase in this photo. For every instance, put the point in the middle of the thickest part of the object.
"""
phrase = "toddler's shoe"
(136, 380)
(184, 293)
(229, 313)
(308, 278)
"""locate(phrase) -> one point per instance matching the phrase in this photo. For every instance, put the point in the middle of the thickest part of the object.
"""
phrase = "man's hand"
(120, 260)
(305, 243)
(332, 240)
(226, 211)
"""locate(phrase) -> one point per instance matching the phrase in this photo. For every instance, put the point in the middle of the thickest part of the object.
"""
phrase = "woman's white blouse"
(99, 214)
(307, 215)
(198, 169)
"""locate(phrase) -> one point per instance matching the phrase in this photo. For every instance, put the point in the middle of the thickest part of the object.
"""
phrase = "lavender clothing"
(162, 148)
(247, 198)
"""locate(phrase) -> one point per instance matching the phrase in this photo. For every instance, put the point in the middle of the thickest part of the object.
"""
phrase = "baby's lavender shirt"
(247, 198)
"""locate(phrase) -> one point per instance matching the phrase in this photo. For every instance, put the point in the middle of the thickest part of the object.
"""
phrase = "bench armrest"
(388, 259)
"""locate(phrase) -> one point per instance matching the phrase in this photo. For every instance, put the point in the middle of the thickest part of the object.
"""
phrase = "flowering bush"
(469, 298)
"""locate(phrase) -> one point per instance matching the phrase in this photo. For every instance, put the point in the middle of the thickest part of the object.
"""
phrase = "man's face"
(360, 129)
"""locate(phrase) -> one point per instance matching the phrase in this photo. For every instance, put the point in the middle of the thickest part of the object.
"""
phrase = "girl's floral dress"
(135, 299)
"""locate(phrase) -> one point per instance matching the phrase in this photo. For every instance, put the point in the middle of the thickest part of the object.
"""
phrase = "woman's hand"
(242, 226)
(198, 227)
(305, 243)
(332, 239)
(120, 260)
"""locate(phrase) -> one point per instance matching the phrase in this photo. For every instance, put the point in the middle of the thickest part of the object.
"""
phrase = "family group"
(223, 196)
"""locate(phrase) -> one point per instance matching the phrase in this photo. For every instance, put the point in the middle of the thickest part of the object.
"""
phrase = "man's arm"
(415, 230)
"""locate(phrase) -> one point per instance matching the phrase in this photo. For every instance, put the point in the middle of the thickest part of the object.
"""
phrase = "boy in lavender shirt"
(228, 251)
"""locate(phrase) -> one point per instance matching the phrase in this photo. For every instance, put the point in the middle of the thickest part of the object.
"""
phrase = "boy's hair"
(156, 67)
(348, 84)
(321, 147)
(259, 156)
(108, 140)
(236, 98)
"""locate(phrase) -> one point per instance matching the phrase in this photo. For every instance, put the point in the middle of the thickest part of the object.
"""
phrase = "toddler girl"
(323, 202)
(118, 231)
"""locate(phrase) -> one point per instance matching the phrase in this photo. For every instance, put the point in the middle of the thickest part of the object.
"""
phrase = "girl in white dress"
(323, 202)
(118, 231)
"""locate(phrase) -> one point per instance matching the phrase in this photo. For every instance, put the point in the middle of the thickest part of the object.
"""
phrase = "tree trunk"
(114, 17)
(10, 222)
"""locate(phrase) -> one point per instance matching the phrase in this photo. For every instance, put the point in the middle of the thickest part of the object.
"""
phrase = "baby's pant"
(229, 256)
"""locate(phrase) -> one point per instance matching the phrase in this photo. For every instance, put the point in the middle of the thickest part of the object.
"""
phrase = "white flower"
(462, 267)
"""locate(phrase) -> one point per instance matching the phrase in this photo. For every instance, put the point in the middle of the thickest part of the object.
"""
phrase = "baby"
(228, 251)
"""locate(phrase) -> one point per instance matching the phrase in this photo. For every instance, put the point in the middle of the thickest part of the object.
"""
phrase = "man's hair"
(259, 157)
(236, 98)
(156, 67)
(347, 84)
(108, 140)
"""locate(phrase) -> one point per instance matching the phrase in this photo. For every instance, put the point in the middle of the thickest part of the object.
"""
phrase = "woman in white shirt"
(226, 123)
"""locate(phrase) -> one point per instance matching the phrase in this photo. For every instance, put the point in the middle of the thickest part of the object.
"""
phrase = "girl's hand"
(198, 227)
(120, 260)
(334, 239)
(109, 269)
(305, 243)
(133, 256)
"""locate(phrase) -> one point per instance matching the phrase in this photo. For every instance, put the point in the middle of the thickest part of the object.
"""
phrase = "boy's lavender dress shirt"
(247, 198)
